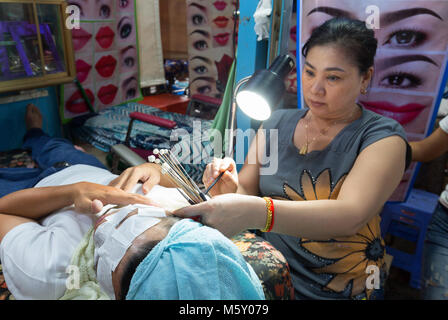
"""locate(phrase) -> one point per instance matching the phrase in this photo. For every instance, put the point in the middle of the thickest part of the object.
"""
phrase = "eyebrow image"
(209, 79)
(335, 12)
(121, 21)
(202, 8)
(204, 33)
(389, 62)
(206, 60)
(127, 81)
(327, 69)
(126, 49)
(392, 17)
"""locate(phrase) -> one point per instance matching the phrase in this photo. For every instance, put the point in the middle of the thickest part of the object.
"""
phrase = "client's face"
(153, 231)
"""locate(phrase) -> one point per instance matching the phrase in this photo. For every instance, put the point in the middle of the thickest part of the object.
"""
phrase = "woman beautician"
(342, 159)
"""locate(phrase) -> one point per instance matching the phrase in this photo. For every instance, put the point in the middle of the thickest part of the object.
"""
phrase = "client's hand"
(146, 173)
(229, 213)
(91, 197)
(228, 182)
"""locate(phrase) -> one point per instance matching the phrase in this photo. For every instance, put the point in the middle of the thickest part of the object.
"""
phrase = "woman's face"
(331, 83)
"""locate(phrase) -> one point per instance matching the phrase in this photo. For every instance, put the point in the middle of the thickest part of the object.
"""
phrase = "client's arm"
(35, 203)
(147, 173)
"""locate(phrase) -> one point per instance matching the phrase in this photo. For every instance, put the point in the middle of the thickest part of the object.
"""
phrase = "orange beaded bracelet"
(270, 214)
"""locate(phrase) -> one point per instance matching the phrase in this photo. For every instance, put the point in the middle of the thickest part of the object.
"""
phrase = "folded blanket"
(89, 288)
(194, 262)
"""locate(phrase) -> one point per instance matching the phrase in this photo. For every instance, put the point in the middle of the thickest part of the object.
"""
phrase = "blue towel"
(194, 262)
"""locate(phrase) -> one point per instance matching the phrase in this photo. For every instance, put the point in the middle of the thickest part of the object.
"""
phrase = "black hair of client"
(140, 254)
(353, 36)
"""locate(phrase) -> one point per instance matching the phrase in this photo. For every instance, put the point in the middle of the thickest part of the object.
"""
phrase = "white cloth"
(262, 19)
(35, 256)
(152, 70)
(443, 124)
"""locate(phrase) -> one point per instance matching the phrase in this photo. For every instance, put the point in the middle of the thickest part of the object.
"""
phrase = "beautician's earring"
(363, 91)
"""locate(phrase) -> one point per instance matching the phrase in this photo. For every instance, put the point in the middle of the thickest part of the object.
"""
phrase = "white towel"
(262, 19)
(89, 288)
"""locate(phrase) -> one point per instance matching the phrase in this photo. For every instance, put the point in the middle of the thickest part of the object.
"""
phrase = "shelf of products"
(35, 44)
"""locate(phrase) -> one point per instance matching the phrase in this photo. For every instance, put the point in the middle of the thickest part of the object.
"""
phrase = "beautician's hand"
(91, 197)
(146, 173)
(229, 213)
(228, 182)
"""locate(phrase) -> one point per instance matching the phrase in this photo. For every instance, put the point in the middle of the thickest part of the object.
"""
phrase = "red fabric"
(161, 122)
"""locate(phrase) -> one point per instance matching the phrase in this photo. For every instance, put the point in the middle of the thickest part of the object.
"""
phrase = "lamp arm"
(232, 116)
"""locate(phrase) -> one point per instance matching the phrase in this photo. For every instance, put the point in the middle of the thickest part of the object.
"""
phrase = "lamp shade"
(264, 90)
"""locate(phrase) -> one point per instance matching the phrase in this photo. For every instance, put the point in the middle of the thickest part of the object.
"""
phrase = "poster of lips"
(106, 57)
(210, 45)
(410, 64)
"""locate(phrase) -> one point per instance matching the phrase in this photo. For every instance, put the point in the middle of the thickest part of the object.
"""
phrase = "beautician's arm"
(249, 175)
(374, 176)
(35, 203)
(246, 181)
(431, 147)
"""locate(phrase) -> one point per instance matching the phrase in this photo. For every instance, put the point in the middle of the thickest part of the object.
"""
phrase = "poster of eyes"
(210, 45)
(106, 57)
(410, 64)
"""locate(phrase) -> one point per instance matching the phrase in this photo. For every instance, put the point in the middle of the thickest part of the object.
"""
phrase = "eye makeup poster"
(210, 27)
(106, 57)
(410, 64)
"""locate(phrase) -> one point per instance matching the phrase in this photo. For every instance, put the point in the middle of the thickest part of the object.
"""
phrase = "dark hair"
(352, 35)
(141, 252)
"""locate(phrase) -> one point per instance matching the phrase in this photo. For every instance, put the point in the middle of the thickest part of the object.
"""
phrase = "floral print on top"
(333, 268)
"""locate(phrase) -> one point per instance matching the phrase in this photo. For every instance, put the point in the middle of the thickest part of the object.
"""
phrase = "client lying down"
(51, 250)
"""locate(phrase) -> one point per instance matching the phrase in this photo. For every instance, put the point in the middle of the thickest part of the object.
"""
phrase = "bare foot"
(33, 117)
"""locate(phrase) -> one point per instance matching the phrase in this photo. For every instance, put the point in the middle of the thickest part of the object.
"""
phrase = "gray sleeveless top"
(334, 268)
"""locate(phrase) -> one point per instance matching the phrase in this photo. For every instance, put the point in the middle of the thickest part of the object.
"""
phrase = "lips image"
(220, 5)
(105, 37)
(107, 94)
(79, 38)
(222, 38)
(293, 33)
(221, 21)
(82, 70)
(403, 114)
(106, 66)
(76, 104)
